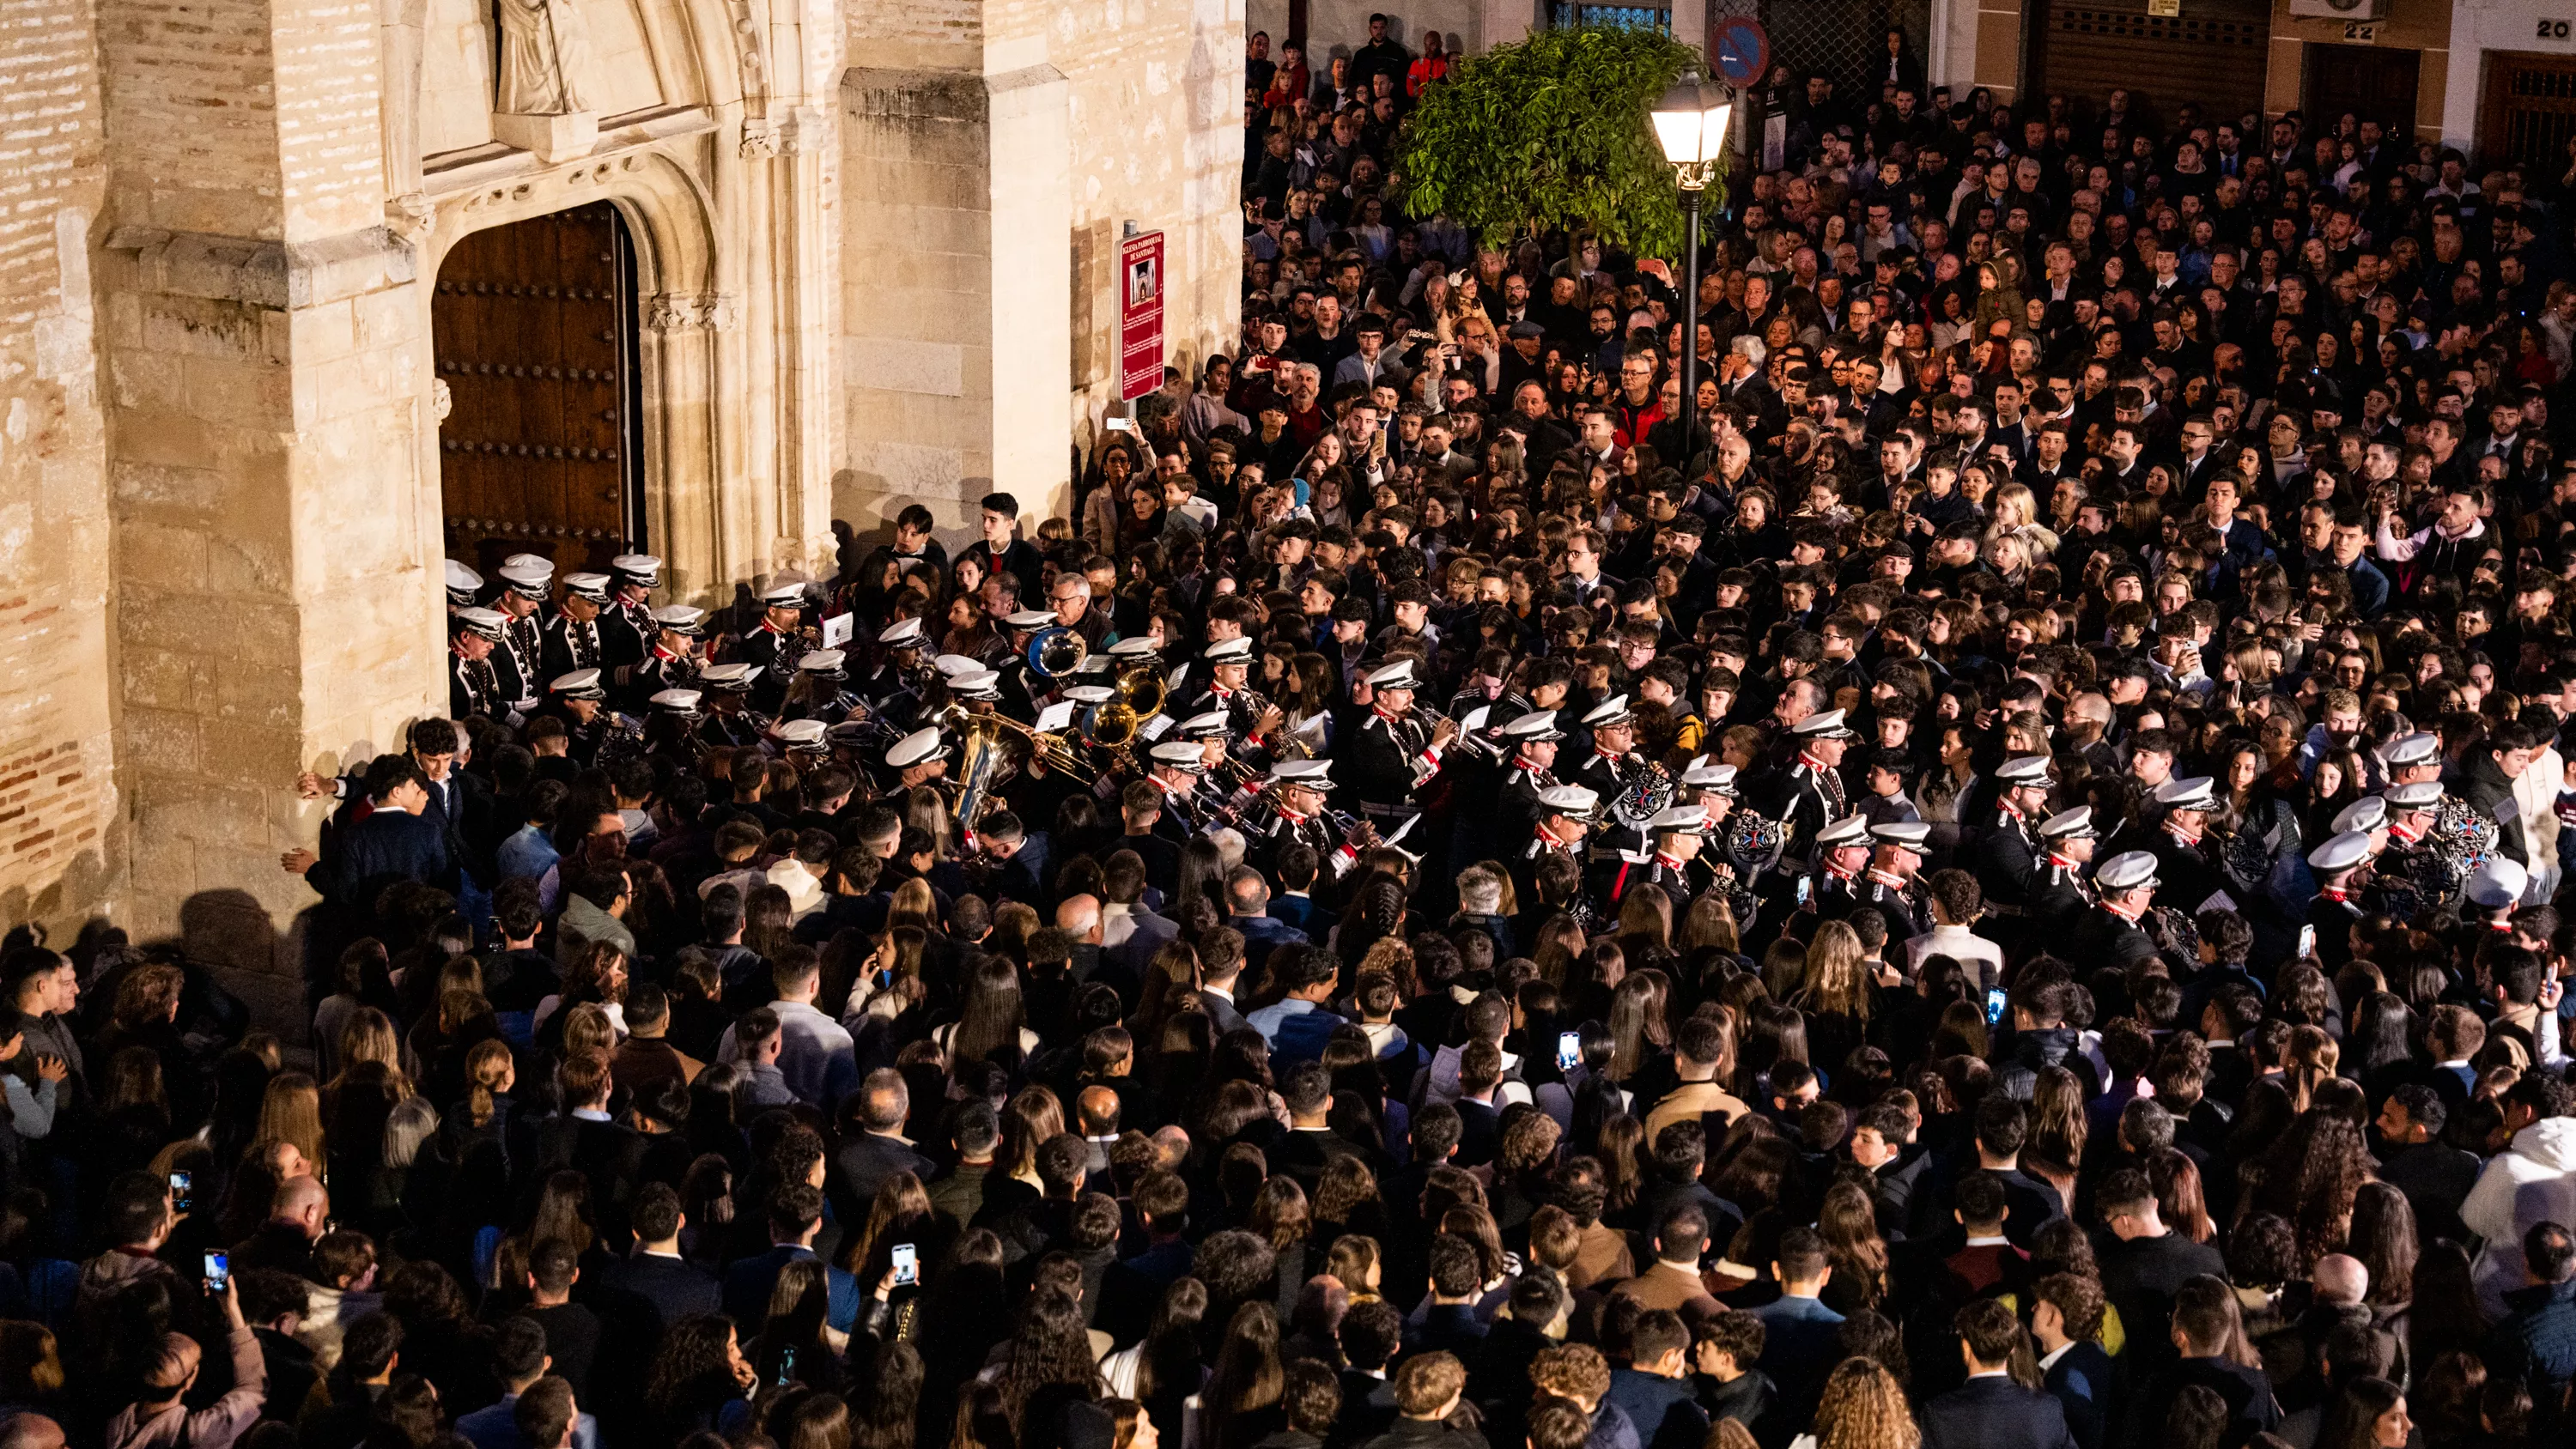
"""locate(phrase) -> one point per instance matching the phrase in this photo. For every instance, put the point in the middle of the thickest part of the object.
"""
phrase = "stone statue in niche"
(545, 54)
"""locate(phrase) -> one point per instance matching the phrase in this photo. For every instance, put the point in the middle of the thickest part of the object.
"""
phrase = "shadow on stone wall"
(231, 934)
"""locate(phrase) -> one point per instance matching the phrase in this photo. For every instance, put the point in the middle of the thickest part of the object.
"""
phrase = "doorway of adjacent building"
(533, 328)
(2372, 82)
(2527, 111)
(2212, 55)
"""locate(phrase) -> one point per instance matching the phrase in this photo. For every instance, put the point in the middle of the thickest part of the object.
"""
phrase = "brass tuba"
(1056, 652)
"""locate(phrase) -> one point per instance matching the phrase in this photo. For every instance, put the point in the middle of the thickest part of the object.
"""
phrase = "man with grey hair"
(870, 1159)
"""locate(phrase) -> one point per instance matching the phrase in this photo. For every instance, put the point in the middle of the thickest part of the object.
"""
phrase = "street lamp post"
(1690, 125)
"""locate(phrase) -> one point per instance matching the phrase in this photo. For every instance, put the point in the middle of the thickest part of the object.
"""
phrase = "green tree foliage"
(1551, 133)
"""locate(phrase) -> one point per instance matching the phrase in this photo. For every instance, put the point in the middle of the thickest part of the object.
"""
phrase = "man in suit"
(1220, 971)
(656, 1274)
(1130, 933)
(1655, 1390)
(1296, 867)
(2146, 1267)
(1799, 1346)
(1672, 1282)
(394, 841)
(872, 1158)
(1991, 1411)
(1311, 1144)
(2066, 1318)
(518, 1358)
(2434, 1175)
(1480, 1121)
(795, 1216)
(1247, 895)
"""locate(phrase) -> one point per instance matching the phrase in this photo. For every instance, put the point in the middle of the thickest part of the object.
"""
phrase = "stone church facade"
(871, 253)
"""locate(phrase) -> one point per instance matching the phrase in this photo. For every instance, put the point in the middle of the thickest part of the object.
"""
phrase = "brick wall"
(59, 859)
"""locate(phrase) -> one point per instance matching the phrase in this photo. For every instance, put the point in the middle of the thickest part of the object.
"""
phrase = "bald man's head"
(1079, 917)
(30, 1431)
(1099, 1109)
(303, 1202)
(2340, 1280)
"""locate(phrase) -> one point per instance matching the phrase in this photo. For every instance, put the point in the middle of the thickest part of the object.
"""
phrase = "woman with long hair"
(885, 1402)
(291, 1111)
(2366, 1413)
(1836, 993)
(1848, 1222)
(2310, 1176)
(992, 1023)
(1240, 1404)
(1165, 1368)
(1279, 1217)
(795, 1341)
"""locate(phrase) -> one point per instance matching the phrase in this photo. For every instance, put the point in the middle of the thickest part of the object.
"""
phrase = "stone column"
(266, 369)
(957, 306)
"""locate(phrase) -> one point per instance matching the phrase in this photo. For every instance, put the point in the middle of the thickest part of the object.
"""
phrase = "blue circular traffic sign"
(1742, 51)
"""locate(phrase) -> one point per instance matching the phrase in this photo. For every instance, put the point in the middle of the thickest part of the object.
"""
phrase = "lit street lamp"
(1690, 125)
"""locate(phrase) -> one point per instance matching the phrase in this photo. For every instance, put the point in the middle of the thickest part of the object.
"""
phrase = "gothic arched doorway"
(533, 327)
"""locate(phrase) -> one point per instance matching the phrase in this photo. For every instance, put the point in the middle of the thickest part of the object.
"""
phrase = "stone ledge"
(268, 273)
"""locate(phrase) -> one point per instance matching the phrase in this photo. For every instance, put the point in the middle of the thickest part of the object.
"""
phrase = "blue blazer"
(1995, 1413)
(2080, 1381)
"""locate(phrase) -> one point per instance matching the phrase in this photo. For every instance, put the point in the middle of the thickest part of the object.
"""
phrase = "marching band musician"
(1247, 714)
(1613, 766)
(918, 758)
(1533, 740)
(1806, 797)
(774, 642)
(671, 729)
(804, 743)
(1175, 771)
(1298, 790)
(2108, 932)
(2412, 876)
(672, 662)
(1565, 819)
(2183, 865)
(525, 583)
(581, 703)
(902, 667)
(1024, 690)
(2456, 839)
(818, 691)
(2334, 908)
(1227, 786)
(2059, 893)
(1742, 843)
(472, 685)
(626, 630)
(2006, 856)
(1392, 754)
(463, 584)
(1890, 888)
(730, 720)
(1680, 832)
(571, 637)
(1842, 853)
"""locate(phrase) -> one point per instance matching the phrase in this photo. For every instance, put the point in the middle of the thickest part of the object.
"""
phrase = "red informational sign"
(1140, 315)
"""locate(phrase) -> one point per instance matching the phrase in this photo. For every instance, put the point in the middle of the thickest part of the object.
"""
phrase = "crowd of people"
(1993, 882)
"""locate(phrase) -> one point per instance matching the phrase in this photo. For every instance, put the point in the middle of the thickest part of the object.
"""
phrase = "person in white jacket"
(2533, 1181)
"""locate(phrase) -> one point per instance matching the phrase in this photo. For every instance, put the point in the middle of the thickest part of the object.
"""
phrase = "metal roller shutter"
(2213, 54)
